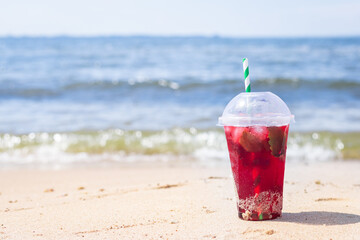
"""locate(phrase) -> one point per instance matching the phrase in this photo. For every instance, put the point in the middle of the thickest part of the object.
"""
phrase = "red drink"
(257, 155)
(257, 151)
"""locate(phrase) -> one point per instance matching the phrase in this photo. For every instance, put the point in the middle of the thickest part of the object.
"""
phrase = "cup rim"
(254, 121)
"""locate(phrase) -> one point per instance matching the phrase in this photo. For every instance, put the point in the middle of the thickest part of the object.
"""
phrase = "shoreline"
(321, 201)
(173, 146)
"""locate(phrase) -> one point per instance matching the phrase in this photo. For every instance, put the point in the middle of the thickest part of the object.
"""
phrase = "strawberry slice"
(250, 142)
(277, 141)
(255, 139)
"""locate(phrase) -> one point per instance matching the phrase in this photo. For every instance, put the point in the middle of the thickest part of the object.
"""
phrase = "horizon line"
(172, 36)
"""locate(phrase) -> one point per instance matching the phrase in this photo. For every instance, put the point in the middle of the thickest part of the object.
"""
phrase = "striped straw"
(246, 75)
(256, 170)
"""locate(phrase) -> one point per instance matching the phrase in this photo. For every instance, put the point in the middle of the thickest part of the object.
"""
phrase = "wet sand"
(321, 201)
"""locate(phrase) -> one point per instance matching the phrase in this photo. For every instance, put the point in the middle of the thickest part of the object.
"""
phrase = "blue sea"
(75, 100)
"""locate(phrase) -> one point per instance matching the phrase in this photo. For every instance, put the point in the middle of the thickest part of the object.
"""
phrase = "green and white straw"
(246, 75)
(255, 171)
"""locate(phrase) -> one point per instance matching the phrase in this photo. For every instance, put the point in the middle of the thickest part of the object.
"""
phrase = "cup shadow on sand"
(320, 218)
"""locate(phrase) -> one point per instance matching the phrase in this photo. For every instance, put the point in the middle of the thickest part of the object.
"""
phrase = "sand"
(321, 201)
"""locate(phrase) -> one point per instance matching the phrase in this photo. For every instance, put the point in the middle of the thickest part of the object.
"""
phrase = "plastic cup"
(256, 126)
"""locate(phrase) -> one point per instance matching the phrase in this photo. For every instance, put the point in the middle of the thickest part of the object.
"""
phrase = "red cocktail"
(257, 155)
(256, 127)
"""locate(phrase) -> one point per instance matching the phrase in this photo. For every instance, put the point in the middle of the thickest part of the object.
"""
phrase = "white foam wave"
(171, 146)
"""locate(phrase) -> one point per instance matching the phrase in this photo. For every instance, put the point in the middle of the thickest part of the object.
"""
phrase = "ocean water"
(66, 100)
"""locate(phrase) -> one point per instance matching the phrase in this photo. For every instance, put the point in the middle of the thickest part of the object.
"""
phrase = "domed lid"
(256, 108)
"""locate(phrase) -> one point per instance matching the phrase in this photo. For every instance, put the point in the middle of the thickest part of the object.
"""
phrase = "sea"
(68, 101)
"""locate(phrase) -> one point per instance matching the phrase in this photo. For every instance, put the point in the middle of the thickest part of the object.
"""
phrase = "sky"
(260, 18)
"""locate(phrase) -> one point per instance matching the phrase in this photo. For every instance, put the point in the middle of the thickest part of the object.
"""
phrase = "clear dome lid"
(256, 108)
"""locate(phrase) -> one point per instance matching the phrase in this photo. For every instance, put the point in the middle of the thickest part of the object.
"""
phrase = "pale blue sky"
(181, 17)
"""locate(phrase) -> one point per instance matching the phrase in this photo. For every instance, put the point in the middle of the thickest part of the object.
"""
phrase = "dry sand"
(321, 201)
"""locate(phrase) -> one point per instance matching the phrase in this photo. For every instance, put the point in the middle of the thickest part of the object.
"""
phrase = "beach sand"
(321, 201)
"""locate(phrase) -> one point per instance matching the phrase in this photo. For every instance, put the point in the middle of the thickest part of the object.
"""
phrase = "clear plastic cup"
(256, 127)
